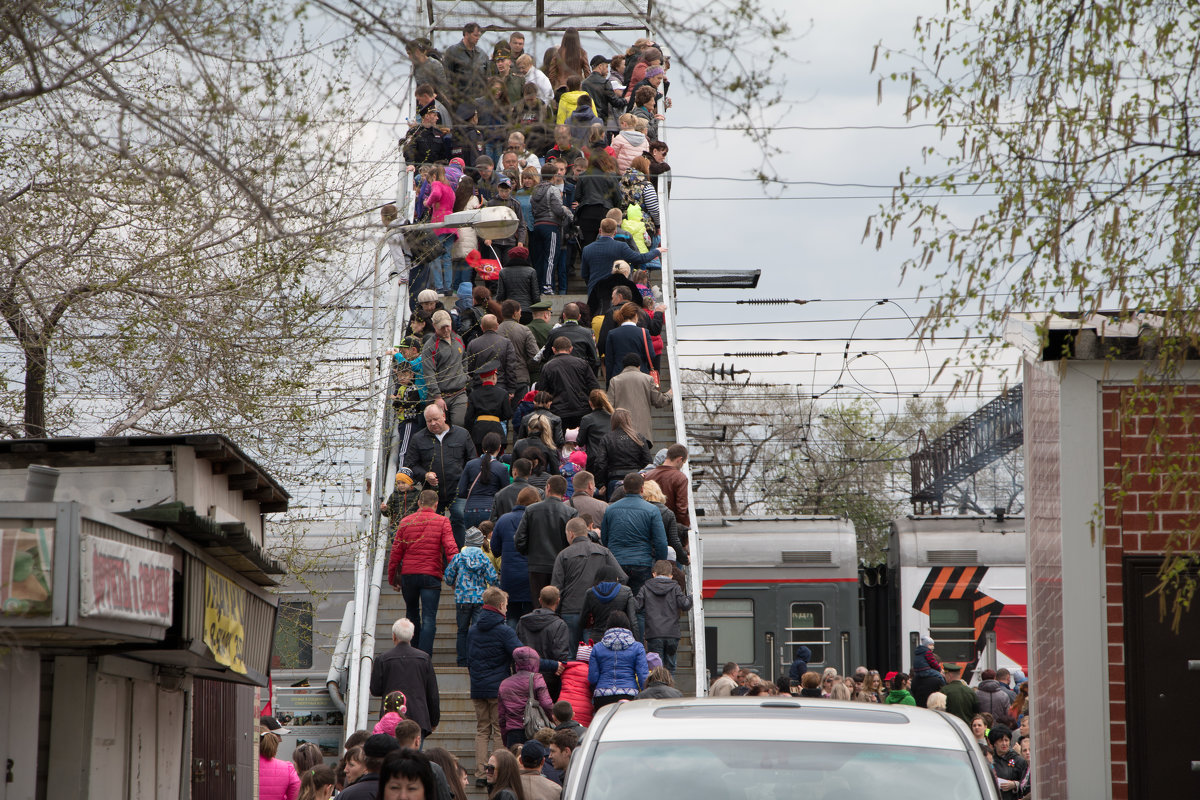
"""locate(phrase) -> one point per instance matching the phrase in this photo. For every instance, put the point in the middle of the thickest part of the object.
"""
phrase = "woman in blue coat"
(617, 667)
(514, 567)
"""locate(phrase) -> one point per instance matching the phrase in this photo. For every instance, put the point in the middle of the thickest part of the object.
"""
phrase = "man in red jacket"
(423, 545)
(671, 478)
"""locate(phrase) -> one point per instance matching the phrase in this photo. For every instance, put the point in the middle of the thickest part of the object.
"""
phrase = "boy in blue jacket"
(470, 573)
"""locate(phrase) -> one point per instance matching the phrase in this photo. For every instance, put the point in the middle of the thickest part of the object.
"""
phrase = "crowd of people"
(565, 146)
(996, 709)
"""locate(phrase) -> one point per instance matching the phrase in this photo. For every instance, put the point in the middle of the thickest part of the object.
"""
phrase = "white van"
(776, 748)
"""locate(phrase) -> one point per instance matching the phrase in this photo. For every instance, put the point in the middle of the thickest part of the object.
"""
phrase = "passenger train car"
(961, 580)
(774, 583)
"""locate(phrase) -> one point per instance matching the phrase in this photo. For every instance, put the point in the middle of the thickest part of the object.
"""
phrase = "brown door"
(214, 743)
(1162, 674)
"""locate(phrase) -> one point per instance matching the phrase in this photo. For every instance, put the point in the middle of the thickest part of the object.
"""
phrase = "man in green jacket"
(961, 700)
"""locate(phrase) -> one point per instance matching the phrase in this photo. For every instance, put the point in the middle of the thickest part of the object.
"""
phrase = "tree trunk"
(35, 391)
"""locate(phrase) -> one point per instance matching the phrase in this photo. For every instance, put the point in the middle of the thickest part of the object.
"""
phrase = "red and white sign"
(119, 581)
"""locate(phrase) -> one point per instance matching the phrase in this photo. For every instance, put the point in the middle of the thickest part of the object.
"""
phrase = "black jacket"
(542, 534)
(617, 455)
(447, 458)
(519, 282)
(466, 142)
(672, 526)
(583, 343)
(592, 429)
(409, 670)
(488, 346)
(487, 401)
(596, 609)
(604, 97)
(596, 188)
(575, 572)
(658, 691)
(506, 498)
(545, 631)
(427, 146)
(570, 380)
(556, 428)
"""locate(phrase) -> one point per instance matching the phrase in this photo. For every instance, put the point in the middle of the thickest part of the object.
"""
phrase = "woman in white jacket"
(465, 199)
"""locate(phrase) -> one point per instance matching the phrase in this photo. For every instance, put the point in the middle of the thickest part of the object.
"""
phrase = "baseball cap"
(598, 60)
(410, 341)
(272, 725)
(532, 752)
(441, 318)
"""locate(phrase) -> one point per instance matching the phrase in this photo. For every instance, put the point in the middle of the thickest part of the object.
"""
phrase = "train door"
(814, 615)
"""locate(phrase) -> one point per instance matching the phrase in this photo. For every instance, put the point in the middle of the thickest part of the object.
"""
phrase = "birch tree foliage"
(1065, 178)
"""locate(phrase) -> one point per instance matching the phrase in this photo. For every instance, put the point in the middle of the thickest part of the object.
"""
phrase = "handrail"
(699, 659)
(374, 540)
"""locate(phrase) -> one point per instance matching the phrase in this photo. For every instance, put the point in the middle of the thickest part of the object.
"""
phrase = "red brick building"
(1111, 471)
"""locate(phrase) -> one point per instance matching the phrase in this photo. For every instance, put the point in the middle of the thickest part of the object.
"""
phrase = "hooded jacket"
(582, 119)
(470, 572)
(602, 600)
(490, 647)
(514, 690)
(422, 546)
(636, 228)
(900, 697)
(628, 145)
(547, 205)
(800, 663)
(924, 663)
(661, 599)
(567, 103)
(618, 665)
(541, 535)
(633, 530)
(514, 568)
(994, 699)
(575, 571)
(546, 632)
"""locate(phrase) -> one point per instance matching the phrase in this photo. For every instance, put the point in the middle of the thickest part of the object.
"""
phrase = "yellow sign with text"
(224, 603)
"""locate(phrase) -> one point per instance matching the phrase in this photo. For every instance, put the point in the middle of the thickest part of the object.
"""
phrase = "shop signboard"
(120, 581)
(224, 625)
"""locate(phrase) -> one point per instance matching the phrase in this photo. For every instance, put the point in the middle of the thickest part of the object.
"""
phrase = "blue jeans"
(441, 268)
(457, 508)
(471, 519)
(467, 614)
(462, 273)
(421, 594)
(665, 647)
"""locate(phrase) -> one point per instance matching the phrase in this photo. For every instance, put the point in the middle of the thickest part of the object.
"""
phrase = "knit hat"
(650, 73)
(660, 457)
(653, 660)
(440, 318)
(927, 642)
(458, 161)
(584, 653)
(518, 256)
(427, 296)
(474, 537)
(404, 476)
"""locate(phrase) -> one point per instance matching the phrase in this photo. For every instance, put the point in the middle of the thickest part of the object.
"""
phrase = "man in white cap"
(429, 301)
(444, 367)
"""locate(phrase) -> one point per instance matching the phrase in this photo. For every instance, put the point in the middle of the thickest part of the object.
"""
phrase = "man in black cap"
(375, 750)
(427, 143)
(504, 197)
(607, 102)
(536, 785)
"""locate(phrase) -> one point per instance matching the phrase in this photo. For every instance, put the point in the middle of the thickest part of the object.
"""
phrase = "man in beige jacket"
(724, 685)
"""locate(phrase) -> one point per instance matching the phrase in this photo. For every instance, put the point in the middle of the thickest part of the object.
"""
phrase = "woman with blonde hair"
(653, 493)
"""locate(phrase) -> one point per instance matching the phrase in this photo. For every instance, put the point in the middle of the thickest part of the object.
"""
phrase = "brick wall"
(1043, 516)
(1139, 514)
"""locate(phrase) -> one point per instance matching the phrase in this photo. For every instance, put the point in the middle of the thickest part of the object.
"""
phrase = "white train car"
(962, 581)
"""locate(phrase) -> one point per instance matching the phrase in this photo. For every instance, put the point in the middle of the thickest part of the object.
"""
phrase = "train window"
(952, 626)
(734, 621)
(808, 628)
(293, 636)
